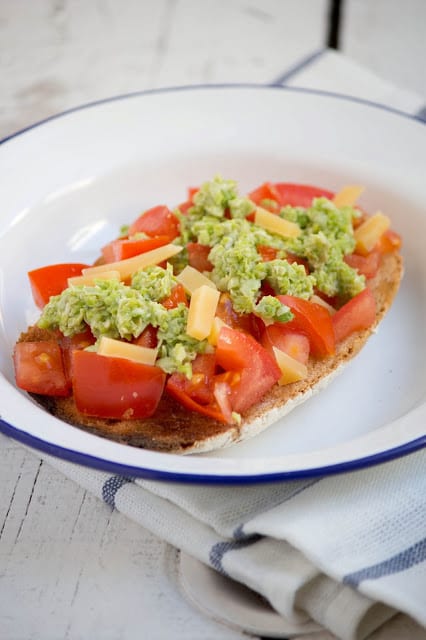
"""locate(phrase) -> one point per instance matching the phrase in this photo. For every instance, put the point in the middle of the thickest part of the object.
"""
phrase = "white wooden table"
(69, 566)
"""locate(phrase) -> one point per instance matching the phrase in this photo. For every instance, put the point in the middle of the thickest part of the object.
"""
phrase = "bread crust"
(174, 429)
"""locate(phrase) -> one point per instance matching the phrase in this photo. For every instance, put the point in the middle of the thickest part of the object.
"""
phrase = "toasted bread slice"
(175, 429)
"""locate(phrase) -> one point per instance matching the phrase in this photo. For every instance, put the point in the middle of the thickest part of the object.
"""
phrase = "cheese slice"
(291, 369)
(191, 280)
(128, 267)
(369, 232)
(118, 349)
(348, 196)
(273, 223)
(201, 312)
(89, 280)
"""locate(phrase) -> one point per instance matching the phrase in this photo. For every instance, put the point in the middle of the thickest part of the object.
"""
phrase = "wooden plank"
(76, 52)
(388, 37)
(70, 567)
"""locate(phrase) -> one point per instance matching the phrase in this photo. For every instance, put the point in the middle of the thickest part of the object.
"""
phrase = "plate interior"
(71, 214)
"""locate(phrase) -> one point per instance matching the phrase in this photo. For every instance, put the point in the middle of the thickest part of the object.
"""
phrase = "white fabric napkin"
(347, 551)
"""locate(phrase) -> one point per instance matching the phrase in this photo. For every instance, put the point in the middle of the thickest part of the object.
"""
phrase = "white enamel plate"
(69, 183)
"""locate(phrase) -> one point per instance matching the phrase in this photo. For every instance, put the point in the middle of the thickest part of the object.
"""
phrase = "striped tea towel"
(347, 551)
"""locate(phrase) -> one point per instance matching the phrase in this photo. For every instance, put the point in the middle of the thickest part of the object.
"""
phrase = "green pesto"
(113, 309)
(326, 238)
(218, 220)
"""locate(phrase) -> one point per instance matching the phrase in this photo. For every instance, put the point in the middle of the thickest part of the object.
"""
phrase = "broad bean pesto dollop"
(218, 219)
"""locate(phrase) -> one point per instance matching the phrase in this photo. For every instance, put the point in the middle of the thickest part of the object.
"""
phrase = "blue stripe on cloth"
(395, 564)
(421, 114)
(305, 62)
(110, 488)
(241, 539)
(239, 542)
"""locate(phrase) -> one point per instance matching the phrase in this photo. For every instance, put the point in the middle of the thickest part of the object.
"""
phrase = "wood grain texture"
(70, 567)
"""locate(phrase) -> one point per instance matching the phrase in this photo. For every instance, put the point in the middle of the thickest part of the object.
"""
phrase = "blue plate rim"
(100, 464)
(131, 471)
(208, 87)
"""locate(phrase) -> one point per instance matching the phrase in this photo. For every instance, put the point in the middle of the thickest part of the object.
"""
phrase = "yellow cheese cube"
(348, 196)
(369, 232)
(191, 279)
(89, 280)
(118, 349)
(291, 369)
(128, 267)
(201, 313)
(273, 223)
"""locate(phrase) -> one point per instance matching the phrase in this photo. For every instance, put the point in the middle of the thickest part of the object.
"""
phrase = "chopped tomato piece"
(243, 321)
(292, 258)
(314, 321)
(222, 394)
(198, 393)
(367, 265)
(267, 253)
(240, 352)
(124, 248)
(158, 221)
(198, 256)
(52, 280)
(294, 344)
(39, 368)
(69, 344)
(356, 315)
(390, 241)
(266, 191)
(118, 388)
(177, 296)
(148, 338)
(191, 193)
(299, 195)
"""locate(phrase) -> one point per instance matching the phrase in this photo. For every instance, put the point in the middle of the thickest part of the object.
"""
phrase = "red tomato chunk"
(158, 221)
(356, 315)
(314, 321)
(39, 368)
(240, 352)
(52, 280)
(115, 387)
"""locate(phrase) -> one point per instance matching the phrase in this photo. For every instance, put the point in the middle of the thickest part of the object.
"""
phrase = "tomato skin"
(238, 351)
(299, 195)
(158, 221)
(115, 388)
(148, 338)
(390, 241)
(198, 256)
(198, 393)
(314, 321)
(265, 191)
(177, 296)
(39, 368)
(69, 344)
(367, 265)
(294, 344)
(52, 280)
(267, 253)
(356, 315)
(124, 248)
(243, 321)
